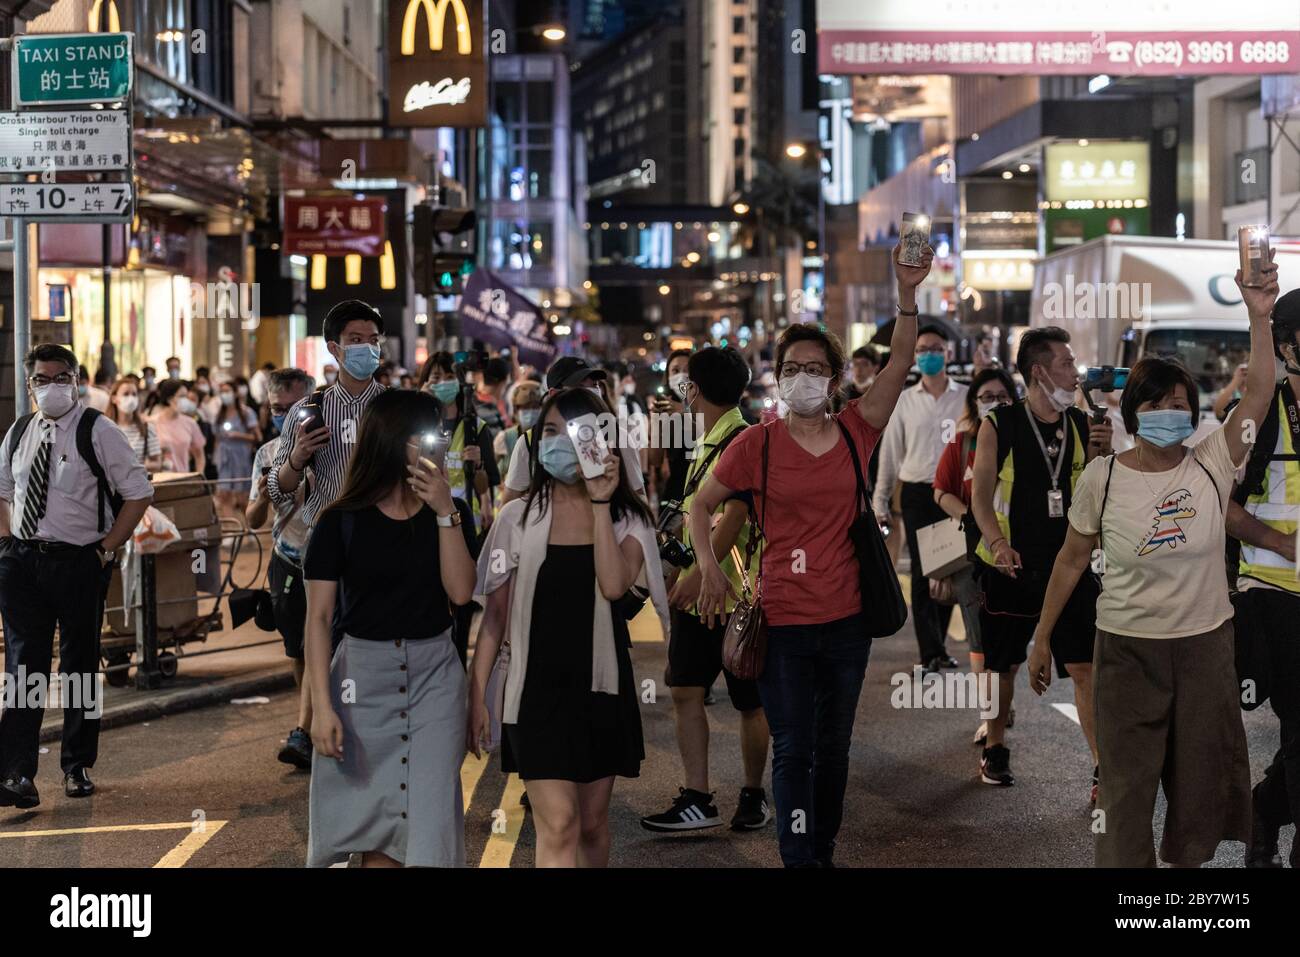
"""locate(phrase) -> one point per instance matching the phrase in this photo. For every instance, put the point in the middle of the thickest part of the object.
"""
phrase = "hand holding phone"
(585, 433)
(913, 237)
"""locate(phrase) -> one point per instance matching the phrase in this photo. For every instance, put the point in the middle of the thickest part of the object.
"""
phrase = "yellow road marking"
(185, 825)
(179, 855)
(470, 772)
(501, 847)
(645, 627)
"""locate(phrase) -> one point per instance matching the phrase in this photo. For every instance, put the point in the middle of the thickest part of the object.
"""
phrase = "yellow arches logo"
(114, 22)
(437, 14)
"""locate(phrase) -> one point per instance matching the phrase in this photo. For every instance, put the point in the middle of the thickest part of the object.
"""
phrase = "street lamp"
(796, 151)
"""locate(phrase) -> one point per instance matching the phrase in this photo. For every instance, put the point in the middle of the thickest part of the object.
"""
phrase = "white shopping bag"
(942, 547)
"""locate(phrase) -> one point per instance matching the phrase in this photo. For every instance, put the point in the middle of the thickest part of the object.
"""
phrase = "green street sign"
(57, 69)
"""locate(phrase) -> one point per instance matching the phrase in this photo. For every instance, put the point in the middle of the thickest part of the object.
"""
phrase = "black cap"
(568, 371)
(1286, 314)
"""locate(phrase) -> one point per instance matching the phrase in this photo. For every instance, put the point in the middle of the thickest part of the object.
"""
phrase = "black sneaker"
(297, 750)
(751, 810)
(692, 811)
(995, 766)
(1262, 851)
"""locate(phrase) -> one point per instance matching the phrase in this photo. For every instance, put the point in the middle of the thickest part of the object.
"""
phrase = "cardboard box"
(193, 512)
(192, 538)
(173, 579)
(942, 547)
(169, 486)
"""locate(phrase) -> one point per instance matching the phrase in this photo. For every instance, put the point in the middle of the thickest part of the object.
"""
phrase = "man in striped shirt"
(353, 334)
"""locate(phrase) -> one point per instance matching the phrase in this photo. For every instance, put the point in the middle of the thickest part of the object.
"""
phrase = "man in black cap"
(1263, 515)
(566, 372)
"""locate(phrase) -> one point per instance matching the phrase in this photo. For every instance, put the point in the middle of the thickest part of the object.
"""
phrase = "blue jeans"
(810, 687)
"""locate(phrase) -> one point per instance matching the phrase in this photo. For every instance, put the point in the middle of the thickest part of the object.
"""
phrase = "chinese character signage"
(1098, 171)
(65, 69)
(1044, 37)
(67, 141)
(333, 226)
(437, 70)
(492, 312)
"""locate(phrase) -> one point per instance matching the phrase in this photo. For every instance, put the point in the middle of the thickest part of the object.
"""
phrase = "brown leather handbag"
(744, 646)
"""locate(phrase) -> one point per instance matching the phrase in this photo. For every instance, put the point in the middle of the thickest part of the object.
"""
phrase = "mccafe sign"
(437, 73)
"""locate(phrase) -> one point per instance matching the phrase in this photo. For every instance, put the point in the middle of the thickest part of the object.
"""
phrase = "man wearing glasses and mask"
(71, 493)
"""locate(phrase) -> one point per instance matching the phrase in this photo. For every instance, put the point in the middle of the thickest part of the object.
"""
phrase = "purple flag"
(493, 312)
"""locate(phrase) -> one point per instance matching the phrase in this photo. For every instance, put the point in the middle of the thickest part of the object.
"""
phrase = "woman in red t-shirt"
(952, 480)
(817, 645)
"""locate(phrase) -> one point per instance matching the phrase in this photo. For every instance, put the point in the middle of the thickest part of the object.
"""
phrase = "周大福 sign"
(334, 226)
(1044, 37)
(65, 141)
(437, 70)
(66, 69)
(493, 312)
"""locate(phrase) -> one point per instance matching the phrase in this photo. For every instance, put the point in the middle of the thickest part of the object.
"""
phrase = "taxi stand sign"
(68, 69)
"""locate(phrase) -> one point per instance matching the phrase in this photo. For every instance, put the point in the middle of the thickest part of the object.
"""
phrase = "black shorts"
(289, 603)
(695, 658)
(1009, 615)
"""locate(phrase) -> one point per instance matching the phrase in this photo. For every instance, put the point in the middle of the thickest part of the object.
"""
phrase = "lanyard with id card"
(1055, 497)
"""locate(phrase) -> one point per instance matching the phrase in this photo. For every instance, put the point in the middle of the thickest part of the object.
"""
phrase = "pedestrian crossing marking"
(501, 847)
(1069, 710)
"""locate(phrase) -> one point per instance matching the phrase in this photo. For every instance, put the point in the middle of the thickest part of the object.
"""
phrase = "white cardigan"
(513, 549)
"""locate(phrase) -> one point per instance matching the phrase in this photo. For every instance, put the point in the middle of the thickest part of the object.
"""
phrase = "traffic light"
(443, 245)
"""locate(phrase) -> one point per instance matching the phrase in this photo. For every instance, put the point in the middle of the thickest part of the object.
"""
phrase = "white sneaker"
(981, 734)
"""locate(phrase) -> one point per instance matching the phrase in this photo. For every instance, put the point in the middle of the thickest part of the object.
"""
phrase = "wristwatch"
(448, 521)
(106, 556)
(904, 312)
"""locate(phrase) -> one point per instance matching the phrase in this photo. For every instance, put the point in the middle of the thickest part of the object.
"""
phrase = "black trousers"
(1277, 796)
(928, 618)
(39, 590)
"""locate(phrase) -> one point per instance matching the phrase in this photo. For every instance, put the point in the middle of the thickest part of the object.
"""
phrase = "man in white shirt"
(924, 420)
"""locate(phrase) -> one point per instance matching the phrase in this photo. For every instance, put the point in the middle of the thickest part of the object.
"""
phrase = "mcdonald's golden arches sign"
(437, 71)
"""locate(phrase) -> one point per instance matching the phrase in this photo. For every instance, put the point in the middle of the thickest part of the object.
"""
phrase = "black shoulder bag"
(882, 596)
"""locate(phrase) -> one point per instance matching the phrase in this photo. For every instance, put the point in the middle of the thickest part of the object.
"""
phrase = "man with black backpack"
(71, 494)
(1263, 516)
(717, 380)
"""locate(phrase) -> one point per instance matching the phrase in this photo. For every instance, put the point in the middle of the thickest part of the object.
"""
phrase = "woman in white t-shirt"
(1150, 520)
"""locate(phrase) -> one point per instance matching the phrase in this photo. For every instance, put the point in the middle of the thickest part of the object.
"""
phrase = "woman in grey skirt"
(385, 780)
(1168, 708)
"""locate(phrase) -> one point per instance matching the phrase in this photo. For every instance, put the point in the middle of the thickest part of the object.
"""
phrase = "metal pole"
(22, 318)
(107, 360)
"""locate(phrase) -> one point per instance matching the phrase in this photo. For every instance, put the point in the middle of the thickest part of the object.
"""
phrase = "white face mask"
(128, 403)
(186, 406)
(805, 394)
(677, 383)
(1061, 399)
(985, 408)
(55, 400)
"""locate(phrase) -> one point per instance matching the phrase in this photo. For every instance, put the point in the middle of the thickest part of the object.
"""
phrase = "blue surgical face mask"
(1165, 427)
(278, 422)
(528, 417)
(445, 392)
(559, 458)
(930, 363)
(361, 360)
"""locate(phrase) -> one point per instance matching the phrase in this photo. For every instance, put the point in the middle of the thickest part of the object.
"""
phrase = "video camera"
(1102, 379)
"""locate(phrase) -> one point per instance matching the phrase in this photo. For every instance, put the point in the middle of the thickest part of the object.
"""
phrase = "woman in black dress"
(551, 570)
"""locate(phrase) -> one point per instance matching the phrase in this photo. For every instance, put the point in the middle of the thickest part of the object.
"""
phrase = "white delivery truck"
(1123, 297)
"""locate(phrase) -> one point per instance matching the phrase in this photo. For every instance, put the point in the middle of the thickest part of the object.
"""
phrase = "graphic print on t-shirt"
(1165, 529)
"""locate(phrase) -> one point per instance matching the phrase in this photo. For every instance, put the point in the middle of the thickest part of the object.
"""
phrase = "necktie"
(38, 485)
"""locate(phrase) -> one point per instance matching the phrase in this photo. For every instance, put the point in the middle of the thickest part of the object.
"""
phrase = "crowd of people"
(452, 572)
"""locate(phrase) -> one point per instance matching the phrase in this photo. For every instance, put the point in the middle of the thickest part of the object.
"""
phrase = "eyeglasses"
(999, 397)
(812, 368)
(40, 381)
